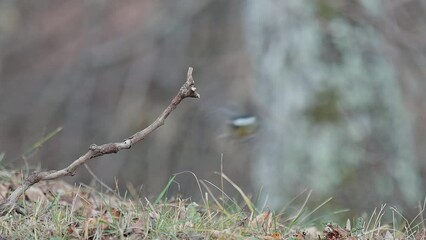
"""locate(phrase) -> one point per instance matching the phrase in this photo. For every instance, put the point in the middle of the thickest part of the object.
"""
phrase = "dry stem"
(10, 204)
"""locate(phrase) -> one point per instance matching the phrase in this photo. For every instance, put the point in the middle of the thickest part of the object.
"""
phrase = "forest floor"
(57, 210)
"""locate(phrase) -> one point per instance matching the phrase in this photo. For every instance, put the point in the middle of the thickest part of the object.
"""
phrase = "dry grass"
(57, 210)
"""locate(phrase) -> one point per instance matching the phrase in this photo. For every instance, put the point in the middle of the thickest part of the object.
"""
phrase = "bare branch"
(187, 90)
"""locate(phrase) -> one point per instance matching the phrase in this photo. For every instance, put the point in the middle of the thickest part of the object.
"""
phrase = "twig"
(10, 204)
(97, 179)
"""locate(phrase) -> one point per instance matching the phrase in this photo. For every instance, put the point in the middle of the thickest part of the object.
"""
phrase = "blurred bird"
(234, 125)
(243, 127)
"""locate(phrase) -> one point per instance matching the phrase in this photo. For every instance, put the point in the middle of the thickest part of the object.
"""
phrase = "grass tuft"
(59, 211)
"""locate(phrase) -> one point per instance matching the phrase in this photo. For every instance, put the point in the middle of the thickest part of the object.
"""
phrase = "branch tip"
(189, 74)
(190, 85)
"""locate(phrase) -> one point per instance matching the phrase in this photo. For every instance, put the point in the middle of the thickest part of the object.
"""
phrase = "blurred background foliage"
(337, 89)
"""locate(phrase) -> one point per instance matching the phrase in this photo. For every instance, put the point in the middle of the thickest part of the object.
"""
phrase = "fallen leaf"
(263, 220)
(421, 235)
(335, 232)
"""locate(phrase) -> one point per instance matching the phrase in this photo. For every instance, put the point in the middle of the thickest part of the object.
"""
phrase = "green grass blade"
(164, 190)
(40, 142)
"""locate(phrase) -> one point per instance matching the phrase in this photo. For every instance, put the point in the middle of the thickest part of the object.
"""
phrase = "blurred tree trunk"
(334, 118)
